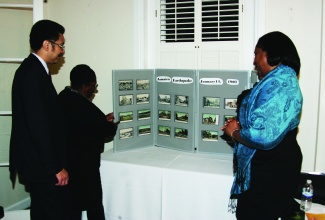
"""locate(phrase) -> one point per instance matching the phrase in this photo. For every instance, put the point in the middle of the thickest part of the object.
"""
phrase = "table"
(155, 183)
(317, 211)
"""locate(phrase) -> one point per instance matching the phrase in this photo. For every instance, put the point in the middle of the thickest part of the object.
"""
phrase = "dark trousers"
(93, 213)
(87, 194)
(250, 207)
(274, 179)
(50, 202)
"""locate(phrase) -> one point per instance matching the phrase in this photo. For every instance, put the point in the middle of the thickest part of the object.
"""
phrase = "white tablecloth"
(156, 183)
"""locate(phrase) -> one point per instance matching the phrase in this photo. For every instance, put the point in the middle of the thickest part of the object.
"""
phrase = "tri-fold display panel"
(175, 108)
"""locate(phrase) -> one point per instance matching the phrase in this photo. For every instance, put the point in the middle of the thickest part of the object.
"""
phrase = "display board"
(217, 102)
(133, 94)
(175, 105)
(178, 109)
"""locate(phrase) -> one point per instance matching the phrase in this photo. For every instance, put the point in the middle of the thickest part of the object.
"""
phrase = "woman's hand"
(231, 125)
(110, 117)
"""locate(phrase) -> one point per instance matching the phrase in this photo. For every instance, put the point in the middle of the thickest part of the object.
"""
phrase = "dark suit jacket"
(86, 129)
(37, 149)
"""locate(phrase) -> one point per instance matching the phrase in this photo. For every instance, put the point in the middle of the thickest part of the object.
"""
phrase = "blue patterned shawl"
(267, 114)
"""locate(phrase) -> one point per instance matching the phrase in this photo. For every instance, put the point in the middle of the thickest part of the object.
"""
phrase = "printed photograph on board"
(142, 99)
(210, 136)
(164, 115)
(211, 102)
(126, 133)
(163, 130)
(226, 117)
(210, 119)
(144, 130)
(143, 84)
(164, 99)
(126, 100)
(181, 117)
(230, 103)
(125, 85)
(126, 116)
(144, 114)
(181, 133)
(181, 100)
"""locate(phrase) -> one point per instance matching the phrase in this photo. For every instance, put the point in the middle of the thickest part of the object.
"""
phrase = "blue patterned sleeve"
(272, 109)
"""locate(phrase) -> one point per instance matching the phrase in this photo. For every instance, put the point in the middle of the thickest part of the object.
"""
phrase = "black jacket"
(86, 131)
(37, 148)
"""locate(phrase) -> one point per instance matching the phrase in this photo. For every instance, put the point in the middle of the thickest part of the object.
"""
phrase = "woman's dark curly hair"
(279, 49)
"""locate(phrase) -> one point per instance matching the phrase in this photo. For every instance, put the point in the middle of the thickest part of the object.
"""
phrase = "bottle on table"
(307, 196)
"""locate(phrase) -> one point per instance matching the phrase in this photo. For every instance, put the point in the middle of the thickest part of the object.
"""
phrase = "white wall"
(301, 20)
(98, 33)
(320, 164)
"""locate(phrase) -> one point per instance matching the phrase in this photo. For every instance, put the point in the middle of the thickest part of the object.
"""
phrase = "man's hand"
(63, 178)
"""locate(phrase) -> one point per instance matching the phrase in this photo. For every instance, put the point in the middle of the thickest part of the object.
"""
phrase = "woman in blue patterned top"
(266, 153)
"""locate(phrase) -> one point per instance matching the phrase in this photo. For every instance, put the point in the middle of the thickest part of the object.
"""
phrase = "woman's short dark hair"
(44, 30)
(82, 75)
(279, 49)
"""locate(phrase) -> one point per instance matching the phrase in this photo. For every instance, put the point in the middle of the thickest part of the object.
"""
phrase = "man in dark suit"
(37, 145)
(87, 129)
